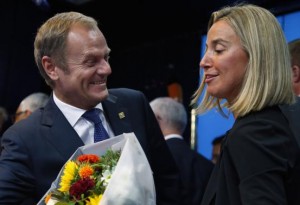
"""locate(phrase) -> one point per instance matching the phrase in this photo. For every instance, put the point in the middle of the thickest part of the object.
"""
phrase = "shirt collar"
(171, 136)
(72, 113)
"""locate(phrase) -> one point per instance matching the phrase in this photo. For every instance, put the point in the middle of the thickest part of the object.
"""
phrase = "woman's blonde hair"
(267, 80)
(52, 36)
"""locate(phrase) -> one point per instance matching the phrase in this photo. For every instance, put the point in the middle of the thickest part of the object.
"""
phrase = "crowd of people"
(247, 62)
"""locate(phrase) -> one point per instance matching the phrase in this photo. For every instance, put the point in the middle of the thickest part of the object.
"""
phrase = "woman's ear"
(49, 67)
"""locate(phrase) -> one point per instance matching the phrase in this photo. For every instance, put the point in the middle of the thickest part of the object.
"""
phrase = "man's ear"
(27, 113)
(49, 67)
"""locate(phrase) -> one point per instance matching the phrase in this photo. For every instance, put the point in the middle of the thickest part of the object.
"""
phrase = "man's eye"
(90, 63)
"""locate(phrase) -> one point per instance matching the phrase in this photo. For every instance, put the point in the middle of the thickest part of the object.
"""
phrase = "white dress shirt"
(83, 127)
(171, 136)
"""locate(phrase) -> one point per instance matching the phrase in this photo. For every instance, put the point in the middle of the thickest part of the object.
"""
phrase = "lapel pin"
(121, 115)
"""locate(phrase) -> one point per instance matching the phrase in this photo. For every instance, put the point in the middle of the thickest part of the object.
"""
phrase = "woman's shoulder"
(268, 114)
(261, 124)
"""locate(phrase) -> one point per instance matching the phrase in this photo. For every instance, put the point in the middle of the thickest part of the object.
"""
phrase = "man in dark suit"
(292, 112)
(72, 56)
(294, 49)
(194, 168)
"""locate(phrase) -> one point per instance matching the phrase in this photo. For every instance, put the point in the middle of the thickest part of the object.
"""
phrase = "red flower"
(81, 187)
(91, 158)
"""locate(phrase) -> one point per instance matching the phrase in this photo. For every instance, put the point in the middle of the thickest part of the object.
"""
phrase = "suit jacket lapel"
(117, 115)
(58, 131)
(211, 188)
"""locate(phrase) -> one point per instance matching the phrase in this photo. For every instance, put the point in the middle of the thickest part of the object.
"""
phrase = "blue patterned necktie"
(99, 131)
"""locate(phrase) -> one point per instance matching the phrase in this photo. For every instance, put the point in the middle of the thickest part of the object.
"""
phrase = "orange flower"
(91, 158)
(48, 197)
(86, 171)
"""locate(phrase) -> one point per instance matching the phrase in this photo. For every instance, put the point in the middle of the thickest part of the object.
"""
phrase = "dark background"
(153, 42)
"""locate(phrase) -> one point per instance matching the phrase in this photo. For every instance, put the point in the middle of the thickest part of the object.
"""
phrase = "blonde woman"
(247, 63)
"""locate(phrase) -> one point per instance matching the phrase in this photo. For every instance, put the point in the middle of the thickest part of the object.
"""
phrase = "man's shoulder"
(25, 127)
(120, 91)
(126, 94)
(203, 160)
(292, 114)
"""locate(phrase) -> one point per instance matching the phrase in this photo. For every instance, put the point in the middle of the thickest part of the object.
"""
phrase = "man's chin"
(103, 95)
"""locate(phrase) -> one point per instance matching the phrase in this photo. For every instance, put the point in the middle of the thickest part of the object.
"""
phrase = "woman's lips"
(209, 77)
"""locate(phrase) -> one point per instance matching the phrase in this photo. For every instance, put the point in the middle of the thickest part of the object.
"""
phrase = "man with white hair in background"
(29, 104)
(294, 48)
(194, 168)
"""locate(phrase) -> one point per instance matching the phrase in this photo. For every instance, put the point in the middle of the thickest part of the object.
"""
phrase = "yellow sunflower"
(93, 200)
(68, 176)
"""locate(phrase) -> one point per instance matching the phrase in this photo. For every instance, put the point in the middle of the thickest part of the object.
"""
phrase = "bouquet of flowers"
(111, 172)
(85, 179)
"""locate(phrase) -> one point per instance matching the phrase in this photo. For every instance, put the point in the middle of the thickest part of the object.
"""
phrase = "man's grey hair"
(173, 113)
(34, 101)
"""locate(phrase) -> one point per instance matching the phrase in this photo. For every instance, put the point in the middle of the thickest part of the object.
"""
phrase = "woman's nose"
(205, 61)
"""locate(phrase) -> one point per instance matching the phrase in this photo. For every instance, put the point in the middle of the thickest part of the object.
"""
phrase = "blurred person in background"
(3, 120)
(194, 168)
(294, 47)
(30, 104)
(216, 148)
(293, 112)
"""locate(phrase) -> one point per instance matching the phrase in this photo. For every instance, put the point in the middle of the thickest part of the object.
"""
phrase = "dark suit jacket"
(292, 113)
(35, 149)
(194, 171)
(259, 163)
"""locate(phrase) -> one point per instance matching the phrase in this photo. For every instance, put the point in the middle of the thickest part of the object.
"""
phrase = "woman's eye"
(219, 48)
(218, 51)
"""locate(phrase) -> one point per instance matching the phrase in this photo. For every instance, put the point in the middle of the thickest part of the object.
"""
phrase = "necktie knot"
(93, 115)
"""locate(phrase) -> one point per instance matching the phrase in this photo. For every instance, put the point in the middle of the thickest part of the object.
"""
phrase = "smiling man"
(72, 56)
